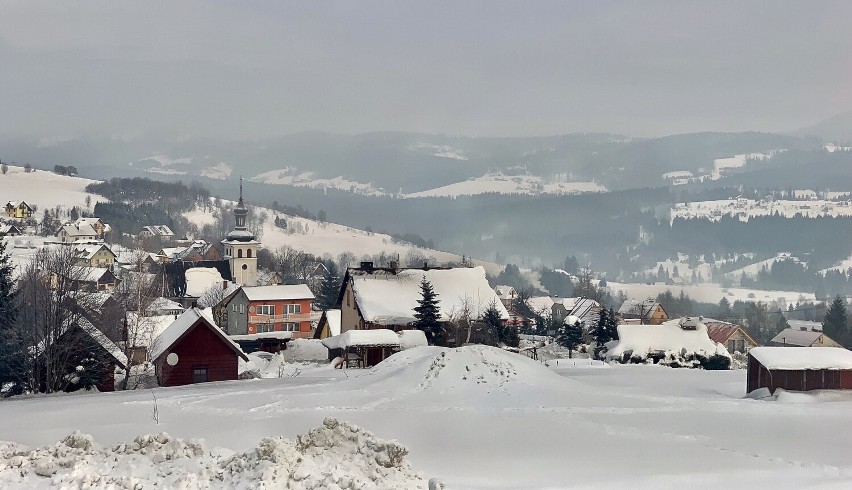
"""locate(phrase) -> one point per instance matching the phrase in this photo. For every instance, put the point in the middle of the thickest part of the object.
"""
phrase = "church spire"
(240, 204)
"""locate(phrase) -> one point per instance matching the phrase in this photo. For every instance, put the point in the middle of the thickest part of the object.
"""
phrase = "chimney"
(224, 284)
(367, 266)
(393, 265)
(425, 266)
(803, 329)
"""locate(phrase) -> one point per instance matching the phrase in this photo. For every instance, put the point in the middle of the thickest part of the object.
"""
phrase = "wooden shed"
(194, 350)
(799, 369)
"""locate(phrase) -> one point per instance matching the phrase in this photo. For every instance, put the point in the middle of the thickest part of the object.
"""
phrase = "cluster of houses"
(184, 343)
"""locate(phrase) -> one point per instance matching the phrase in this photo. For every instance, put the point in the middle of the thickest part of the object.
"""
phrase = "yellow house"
(96, 255)
(18, 210)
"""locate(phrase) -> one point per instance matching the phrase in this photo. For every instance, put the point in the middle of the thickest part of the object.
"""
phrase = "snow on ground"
(723, 165)
(708, 292)
(745, 209)
(684, 270)
(842, 266)
(220, 171)
(45, 189)
(752, 270)
(320, 238)
(474, 417)
(292, 176)
(510, 184)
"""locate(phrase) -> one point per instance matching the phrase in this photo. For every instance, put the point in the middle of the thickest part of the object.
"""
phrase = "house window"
(294, 309)
(290, 327)
(235, 307)
(264, 328)
(265, 309)
(199, 374)
(242, 308)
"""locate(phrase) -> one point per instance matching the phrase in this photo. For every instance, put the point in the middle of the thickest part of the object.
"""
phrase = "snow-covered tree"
(835, 323)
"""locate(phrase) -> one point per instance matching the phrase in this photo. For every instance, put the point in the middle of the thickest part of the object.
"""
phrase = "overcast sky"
(474, 68)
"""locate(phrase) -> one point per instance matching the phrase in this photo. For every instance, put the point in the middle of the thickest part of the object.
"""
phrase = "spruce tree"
(10, 348)
(493, 324)
(329, 292)
(603, 332)
(570, 336)
(835, 323)
(427, 313)
(510, 336)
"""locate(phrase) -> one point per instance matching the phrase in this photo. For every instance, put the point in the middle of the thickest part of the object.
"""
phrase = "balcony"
(291, 317)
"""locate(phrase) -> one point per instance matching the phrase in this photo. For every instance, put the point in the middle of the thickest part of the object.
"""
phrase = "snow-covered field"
(473, 417)
(329, 238)
(745, 209)
(510, 184)
(708, 292)
(45, 189)
(292, 176)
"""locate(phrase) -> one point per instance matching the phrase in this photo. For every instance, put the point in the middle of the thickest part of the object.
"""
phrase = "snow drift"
(335, 455)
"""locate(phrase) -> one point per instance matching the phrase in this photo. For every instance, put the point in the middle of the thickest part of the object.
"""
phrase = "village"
(115, 326)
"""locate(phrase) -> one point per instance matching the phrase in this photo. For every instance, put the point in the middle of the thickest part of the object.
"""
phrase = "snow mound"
(335, 455)
(442, 370)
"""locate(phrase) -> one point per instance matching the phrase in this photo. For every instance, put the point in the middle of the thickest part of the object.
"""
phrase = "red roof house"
(194, 350)
(731, 335)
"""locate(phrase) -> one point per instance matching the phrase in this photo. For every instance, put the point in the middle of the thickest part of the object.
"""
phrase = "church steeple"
(240, 212)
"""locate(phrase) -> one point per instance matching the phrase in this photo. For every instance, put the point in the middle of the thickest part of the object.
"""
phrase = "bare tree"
(137, 291)
(4, 168)
(28, 168)
(49, 311)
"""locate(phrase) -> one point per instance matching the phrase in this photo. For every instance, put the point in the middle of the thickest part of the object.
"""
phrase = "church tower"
(241, 247)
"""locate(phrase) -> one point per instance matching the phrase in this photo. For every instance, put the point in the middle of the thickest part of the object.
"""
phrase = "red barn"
(194, 350)
(799, 368)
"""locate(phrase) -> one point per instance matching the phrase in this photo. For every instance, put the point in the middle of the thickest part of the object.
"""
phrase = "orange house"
(265, 309)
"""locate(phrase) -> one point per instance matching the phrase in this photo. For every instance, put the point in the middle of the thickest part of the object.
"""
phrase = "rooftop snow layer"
(802, 338)
(788, 358)
(180, 326)
(669, 336)
(389, 299)
(270, 293)
(200, 279)
(351, 338)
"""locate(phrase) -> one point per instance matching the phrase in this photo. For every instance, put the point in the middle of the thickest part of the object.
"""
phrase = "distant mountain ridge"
(835, 129)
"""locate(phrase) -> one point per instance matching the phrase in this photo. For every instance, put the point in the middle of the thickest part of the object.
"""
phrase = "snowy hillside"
(462, 415)
(45, 189)
(292, 176)
(745, 209)
(708, 292)
(510, 184)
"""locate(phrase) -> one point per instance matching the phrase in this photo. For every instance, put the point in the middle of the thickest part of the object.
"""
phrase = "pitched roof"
(103, 341)
(720, 331)
(182, 326)
(333, 317)
(634, 307)
(381, 337)
(802, 338)
(75, 230)
(389, 298)
(278, 292)
(785, 358)
(93, 274)
(87, 251)
(505, 291)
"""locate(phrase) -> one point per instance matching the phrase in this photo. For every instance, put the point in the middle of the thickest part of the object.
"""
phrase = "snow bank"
(334, 455)
(305, 350)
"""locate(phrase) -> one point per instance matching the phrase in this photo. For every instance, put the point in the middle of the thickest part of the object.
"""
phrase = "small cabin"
(802, 369)
(194, 350)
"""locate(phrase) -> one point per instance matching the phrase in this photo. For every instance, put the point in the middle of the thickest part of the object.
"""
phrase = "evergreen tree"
(835, 324)
(570, 336)
(493, 324)
(571, 265)
(510, 336)
(603, 332)
(540, 325)
(9, 347)
(427, 313)
(328, 293)
(527, 327)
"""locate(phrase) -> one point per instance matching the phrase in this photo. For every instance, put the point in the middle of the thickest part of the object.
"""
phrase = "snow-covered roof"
(158, 230)
(381, 337)
(802, 338)
(278, 292)
(103, 341)
(805, 325)
(92, 274)
(164, 304)
(540, 304)
(386, 298)
(634, 307)
(412, 338)
(87, 251)
(182, 325)
(146, 328)
(505, 291)
(83, 230)
(200, 279)
(790, 358)
(668, 336)
(265, 335)
(334, 319)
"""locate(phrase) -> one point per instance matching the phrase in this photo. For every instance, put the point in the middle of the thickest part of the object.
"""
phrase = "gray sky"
(456, 67)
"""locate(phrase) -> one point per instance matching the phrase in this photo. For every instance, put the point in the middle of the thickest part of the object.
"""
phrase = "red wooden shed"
(194, 350)
(799, 368)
